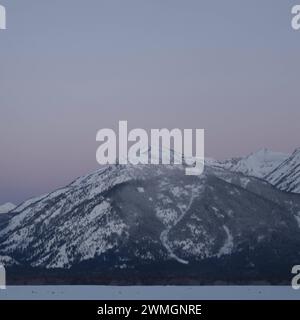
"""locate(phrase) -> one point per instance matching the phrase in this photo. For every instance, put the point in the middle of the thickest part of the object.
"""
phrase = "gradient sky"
(69, 68)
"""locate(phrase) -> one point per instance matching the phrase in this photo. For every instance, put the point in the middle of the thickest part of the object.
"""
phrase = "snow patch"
(228, 244)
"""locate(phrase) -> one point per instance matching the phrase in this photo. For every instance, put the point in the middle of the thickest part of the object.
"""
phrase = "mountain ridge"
(6, 207)
(287, 175)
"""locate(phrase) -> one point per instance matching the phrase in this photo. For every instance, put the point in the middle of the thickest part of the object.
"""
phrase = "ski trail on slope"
(165, 233)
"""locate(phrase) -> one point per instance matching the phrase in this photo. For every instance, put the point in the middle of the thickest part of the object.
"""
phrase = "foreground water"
(149, 293)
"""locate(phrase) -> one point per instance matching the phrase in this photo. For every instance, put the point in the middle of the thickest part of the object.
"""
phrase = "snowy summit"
(5, 208)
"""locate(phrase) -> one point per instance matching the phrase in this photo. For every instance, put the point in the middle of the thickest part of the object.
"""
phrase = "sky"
(69, 68)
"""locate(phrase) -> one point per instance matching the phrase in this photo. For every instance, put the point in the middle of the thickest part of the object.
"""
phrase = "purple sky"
(69, 68)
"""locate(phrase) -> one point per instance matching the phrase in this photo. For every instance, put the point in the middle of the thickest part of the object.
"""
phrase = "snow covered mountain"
(287, 175)
(153, 223)
(5, 208)
(257, 164)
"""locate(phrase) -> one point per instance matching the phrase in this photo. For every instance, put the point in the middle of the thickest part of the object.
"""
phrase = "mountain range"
(239, 222)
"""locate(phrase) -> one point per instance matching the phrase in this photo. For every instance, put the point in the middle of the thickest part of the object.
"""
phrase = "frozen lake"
(149, 293)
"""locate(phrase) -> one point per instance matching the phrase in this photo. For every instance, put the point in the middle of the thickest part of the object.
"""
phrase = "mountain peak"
(267, 152)
(287, 175)
(263, 150)
(5, 208)
(257, 164)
